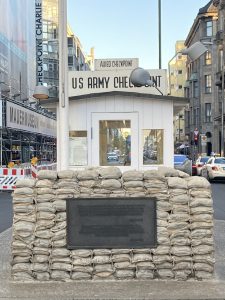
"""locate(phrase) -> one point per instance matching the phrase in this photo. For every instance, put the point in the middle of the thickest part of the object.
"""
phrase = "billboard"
(21, 118)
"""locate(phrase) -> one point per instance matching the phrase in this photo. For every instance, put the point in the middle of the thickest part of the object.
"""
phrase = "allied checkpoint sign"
(89, 82)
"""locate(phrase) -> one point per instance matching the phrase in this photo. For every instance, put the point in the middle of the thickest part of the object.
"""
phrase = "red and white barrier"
(9, 176)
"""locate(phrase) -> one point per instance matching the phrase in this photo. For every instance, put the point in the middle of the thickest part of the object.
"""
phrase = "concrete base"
(157, 290)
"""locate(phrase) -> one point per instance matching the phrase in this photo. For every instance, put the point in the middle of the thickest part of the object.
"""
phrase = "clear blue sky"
(129, 28)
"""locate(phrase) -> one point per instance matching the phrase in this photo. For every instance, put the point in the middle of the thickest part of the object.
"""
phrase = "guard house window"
(209, 28)
(208, 112)
(208, 58)
(152, 146)
(208, 84)
(78, 148)
(115, 142)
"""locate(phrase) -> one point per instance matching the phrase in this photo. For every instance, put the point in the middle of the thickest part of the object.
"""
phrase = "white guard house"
(113, 123)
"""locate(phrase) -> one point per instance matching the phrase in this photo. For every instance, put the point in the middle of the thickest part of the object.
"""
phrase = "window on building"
(208, 58)
(209, 28)
(179, 71)
(221, 59)
(194, 116)
(70, 41)
(187, 121)
(187, 92)
(180, 87)
(220, 107)
(197, 117)
(45, 67)
(191, 115)
(152, 146)
(50, 67)
(208, 112)
(54, 33)
(195, 89)
(208, 84)
(70, 60)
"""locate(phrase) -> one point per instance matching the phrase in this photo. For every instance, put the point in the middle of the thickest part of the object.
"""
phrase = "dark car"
(183, 163)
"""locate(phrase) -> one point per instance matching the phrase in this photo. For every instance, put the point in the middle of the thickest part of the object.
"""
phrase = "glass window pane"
(152, 146)
(115, 142)
(78, 148)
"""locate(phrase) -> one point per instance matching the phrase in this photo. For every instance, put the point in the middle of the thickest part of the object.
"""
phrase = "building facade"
(200, 86)
(177, 81)
(77, 58)
(29, 56)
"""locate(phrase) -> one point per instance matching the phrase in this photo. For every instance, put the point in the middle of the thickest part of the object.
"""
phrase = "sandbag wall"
(184, 226)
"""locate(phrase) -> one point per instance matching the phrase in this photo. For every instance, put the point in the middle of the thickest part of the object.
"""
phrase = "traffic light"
(196, 136)
(196, 141)
(219, 81)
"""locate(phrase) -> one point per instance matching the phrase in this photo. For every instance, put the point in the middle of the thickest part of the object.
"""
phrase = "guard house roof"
(178, 102)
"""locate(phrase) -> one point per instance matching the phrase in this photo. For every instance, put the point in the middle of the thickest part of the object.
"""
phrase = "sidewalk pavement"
(152, 289)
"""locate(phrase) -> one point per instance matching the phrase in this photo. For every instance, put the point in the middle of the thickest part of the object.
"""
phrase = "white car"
(200, 162)
(214, 168)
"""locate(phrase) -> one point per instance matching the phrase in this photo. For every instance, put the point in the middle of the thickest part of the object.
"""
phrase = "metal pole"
(179, 126)
(159, 19)
(222, 93)
(63, 108)
(222, 106)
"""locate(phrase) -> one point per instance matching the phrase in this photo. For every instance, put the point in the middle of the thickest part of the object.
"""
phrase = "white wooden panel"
(153, 114)
(147, 118)
(123, 104)
(78, 115)
(95, 104)
(168, 133)
(109, 104)
(157, 114)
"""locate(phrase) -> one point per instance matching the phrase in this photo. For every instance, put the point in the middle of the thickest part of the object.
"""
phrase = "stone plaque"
(111, 223)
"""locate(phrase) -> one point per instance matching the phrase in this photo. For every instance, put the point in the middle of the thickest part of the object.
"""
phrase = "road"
(5, 210)
(218, 190)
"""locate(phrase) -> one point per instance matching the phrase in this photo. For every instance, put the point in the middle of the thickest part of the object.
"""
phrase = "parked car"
(112, 156)
(214, 168)
(183, 163)
(200, 162)
(194, 169)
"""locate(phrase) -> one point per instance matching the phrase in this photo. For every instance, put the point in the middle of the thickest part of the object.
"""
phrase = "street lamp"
(41, 92)
(141, 77)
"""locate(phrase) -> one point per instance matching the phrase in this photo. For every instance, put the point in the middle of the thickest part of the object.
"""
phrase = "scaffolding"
(20, 146)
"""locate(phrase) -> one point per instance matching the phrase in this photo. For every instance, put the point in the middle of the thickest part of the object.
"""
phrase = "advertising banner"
(0, 111)
(19, 117)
